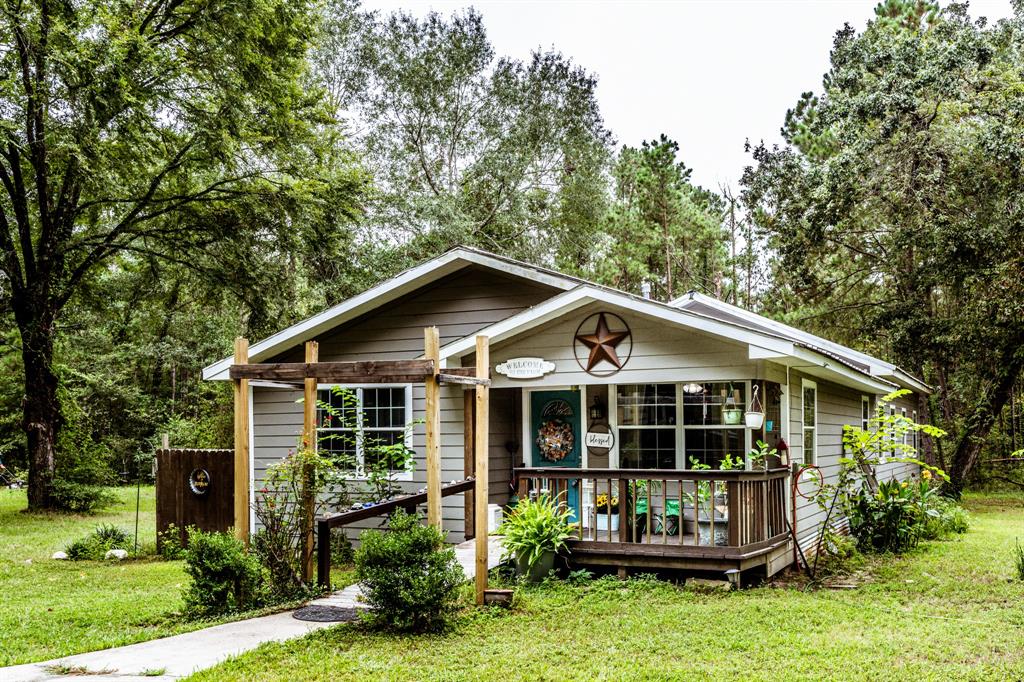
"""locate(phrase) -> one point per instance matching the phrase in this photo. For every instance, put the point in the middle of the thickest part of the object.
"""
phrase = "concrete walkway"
(182, 655)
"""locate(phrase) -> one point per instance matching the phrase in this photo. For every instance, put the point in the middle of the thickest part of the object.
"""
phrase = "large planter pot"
(540, 569)
(754, 419)
(732, 415)
(602, 521)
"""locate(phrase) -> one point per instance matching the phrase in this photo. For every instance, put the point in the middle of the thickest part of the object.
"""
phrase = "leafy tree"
(180, 131)
(467, 147)
(905, 231)
(661, 228)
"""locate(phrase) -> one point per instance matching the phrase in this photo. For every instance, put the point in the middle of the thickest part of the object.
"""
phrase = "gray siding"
(458, 305)
(837, 406)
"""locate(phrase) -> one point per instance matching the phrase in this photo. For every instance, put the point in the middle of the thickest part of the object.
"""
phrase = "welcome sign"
(525, 368)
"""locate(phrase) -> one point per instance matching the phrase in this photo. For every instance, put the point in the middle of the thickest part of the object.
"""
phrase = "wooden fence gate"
(194, 488)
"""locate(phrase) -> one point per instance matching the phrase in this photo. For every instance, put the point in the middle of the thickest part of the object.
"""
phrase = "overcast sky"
(708, 74)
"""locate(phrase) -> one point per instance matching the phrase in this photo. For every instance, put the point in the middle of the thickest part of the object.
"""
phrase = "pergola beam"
(361, 372)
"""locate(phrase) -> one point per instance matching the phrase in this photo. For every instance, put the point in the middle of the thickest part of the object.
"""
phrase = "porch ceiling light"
(693, 389)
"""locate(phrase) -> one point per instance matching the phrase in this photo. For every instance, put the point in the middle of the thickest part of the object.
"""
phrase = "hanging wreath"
(555, 440)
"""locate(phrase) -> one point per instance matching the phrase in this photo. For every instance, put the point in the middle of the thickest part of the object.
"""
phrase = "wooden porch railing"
(707, 513)
(324, 524)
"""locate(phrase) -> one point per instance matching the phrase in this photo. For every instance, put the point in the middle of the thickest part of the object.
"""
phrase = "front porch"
(696, 520)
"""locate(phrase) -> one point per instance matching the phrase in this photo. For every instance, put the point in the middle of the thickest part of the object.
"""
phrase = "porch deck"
(700, 520)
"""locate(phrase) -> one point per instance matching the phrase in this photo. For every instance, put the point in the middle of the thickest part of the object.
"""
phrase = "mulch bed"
(327, 614)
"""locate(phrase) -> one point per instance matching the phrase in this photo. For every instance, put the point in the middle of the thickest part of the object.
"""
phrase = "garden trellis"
(428, 371)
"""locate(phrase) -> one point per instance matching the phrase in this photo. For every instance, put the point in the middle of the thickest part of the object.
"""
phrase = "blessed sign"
(525, 368)
(599, 440)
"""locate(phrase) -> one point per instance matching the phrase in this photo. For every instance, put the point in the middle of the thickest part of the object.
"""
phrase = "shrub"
(943, 518)
(171, 548)
(224, 576)
(837, 554)
(1018, 561)
(342, 551)
(888, 521)
(534, 528)
(279, 510)
(95, 545)
(409, 578)
(81, 498)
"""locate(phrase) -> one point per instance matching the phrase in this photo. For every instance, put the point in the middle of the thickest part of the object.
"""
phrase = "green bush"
(888, 521)
(409, 578)
(95, 545)
(943, 518)
(225, 577)
(535, 528)
(342, 551)
(171, 548)
(1018, 561)
(81, 498)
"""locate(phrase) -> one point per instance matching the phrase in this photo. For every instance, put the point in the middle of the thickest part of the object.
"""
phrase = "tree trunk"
(40, 409)
(980, 421)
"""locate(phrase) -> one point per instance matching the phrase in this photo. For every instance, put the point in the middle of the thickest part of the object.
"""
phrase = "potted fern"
(534, 533)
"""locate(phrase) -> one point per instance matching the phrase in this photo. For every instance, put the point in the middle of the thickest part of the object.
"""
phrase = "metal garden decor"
(199, 482)
(605, 351)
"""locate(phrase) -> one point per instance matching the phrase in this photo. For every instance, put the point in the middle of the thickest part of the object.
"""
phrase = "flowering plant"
(602, 505)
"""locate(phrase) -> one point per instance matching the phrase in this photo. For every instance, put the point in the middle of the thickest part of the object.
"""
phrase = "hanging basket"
(755, 413)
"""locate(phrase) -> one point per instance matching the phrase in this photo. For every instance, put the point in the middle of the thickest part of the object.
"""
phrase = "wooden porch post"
(481, 497)
(308, 441)
(241, 387)
(432, 351)
(468, 463)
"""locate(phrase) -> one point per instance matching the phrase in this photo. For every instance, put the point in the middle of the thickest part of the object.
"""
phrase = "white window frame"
(359, 473)
(906, 434)
(613, 418)
(813, 458)
(865, 409)
(914, 435)
(681, 463)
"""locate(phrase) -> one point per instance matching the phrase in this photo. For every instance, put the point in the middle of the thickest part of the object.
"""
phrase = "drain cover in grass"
(327, 614)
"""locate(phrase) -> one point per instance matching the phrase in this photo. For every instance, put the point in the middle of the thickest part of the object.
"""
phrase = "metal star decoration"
(602, 344)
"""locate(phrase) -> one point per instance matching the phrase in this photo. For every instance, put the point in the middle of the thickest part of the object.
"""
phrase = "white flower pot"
(602, 521)
(754, 420)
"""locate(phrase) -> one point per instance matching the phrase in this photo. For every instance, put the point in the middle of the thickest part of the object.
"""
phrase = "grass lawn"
(947, 611)
(53, 608)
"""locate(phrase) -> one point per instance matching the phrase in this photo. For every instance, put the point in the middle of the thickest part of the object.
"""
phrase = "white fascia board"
(387, 291)
(583, 294)
(839, 373)
(875, 365)
(759, 353)
(907, 381)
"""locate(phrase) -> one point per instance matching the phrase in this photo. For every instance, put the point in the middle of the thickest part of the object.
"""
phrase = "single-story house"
(595, 394)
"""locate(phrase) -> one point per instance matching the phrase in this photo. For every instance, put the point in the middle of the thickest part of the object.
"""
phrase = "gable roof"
(385, 292)
(697, 302)
(761, 344)
(766, 338)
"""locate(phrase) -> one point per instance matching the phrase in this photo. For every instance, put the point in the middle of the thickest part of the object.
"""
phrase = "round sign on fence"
(199, 482)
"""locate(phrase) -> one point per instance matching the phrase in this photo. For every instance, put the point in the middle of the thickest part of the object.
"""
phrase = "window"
(913, 434)
(891, 430)
(810, 417)
(713, 422)
(360, 421)
(647, 425)
(865, 412)
(906, 431)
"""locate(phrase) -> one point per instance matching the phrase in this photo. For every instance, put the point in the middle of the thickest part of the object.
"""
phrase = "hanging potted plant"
(731, 412)
(755, 415)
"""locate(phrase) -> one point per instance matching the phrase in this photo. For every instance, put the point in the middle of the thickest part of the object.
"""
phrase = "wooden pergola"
(427, 371)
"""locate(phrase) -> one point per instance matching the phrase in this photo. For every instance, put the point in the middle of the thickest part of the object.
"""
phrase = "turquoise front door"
(555, 432)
